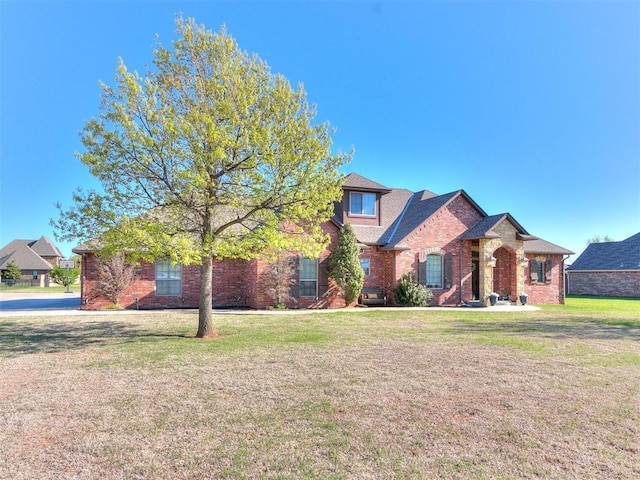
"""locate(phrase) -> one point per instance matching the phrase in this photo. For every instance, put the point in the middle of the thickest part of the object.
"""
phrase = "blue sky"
(530, 107)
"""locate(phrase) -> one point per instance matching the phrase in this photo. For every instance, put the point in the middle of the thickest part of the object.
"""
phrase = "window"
(34, 274)
(168, 278)
(365, 263)
(434, 271)
(540, 270)
(308, 277)
(362, 203)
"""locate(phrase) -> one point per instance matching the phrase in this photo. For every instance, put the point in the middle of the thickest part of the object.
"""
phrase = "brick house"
(34, 258)
(610, 269)
(454, 248)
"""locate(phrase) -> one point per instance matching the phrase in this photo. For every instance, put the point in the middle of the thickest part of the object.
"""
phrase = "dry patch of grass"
(363, 394)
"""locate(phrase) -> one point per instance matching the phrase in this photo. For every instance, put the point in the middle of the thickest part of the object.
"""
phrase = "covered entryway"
(498, 267)
(504, 273)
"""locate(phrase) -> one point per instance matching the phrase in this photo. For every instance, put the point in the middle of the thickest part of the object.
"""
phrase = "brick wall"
(442, 230)
(504, 274)
(237, 283)
(232, 285)
(328, 292)
(141, 292)
(606, 284)
(543, 292)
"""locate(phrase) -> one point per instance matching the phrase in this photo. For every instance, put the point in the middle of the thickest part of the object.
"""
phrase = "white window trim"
(301, 279)
(440, 286)
(367, 271)
(361, 214)
(176, 266)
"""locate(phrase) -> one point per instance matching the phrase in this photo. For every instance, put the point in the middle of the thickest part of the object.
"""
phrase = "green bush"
(345, 267)
(410, 293)
(12, 273)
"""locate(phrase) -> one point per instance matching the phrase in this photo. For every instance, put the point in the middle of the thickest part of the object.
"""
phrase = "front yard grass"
(362, 394)
(24, 287)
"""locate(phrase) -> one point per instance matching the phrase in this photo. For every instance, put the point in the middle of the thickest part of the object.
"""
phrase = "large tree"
(209, 155)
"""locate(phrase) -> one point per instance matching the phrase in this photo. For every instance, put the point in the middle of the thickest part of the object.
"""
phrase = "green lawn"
(350, 394)
(26, 288)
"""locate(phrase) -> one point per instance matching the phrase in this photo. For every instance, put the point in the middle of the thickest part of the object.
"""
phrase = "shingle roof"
(391, 208)
(358, 182)
(21, 253)
(45, 248)
(542, 246)
(421, 206)
(485, 228)
(403, 211)
(624, 255)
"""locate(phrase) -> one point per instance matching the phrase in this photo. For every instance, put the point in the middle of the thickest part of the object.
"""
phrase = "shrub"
(64, 276)
(278, 279)
(410, 293)
(345, 267)
(114, 277)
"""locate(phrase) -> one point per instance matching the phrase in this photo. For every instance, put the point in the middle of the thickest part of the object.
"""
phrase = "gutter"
(603, 270)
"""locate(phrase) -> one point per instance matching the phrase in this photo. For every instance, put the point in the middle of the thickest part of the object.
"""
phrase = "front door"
(475, 278)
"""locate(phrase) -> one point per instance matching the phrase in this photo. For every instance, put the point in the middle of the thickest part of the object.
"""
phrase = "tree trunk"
(205, 305)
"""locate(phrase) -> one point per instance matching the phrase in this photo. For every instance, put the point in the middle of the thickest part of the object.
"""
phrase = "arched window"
(433, 271)
(435, 268)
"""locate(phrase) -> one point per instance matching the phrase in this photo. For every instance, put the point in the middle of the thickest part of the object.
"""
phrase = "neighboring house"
(610, 269)
(34, 258)
(451, 245)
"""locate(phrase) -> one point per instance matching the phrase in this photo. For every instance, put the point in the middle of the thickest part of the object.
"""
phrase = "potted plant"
(493, 298)
(523, 298)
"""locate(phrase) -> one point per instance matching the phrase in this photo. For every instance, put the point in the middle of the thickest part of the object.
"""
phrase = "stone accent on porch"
(505, 253)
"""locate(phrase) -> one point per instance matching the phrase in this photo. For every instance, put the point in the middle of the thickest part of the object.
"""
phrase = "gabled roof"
(22, 254)
(485, 228)
(45, 248)
(420, 207)
(353, 181)
(403, 211)
(624, 255)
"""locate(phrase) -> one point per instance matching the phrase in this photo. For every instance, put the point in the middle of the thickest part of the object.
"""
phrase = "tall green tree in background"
(64, 276)
(208, 156)
(12, 273)
(599, 239)
(345, 266)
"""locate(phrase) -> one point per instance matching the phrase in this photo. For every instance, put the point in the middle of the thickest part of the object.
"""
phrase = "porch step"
(480, 304)
(504, 302)
(474, 304)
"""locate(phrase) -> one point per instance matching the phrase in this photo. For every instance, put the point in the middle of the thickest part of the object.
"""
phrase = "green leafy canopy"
(64, 276)
(204, 157)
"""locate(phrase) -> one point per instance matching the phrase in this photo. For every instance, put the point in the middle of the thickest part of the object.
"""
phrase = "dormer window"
(362, 204)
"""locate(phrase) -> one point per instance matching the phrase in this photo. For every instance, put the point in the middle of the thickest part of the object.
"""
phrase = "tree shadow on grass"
(565, 328)
(18, 338)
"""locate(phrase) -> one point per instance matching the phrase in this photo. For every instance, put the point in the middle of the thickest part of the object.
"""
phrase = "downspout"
(460, 272)
(565, 279)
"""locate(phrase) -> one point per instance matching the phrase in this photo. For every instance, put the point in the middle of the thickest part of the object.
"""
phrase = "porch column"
(487, 262)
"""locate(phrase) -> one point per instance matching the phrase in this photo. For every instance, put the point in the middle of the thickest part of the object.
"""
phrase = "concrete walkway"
(496, 309)
(68, 304)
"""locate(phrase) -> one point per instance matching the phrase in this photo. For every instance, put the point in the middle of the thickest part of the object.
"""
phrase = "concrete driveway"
(28, 302)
